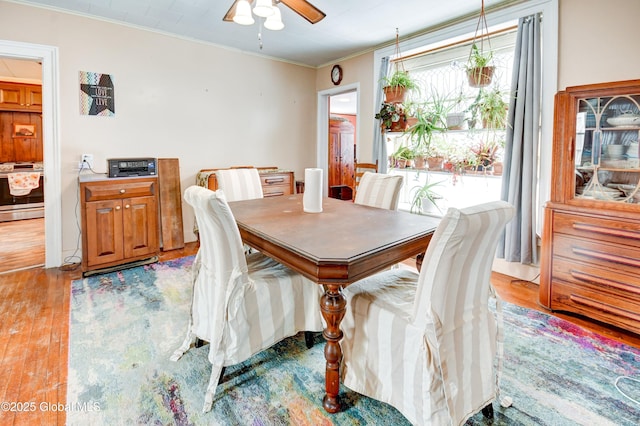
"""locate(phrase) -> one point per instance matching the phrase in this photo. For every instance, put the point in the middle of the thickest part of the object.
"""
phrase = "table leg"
(333, 307)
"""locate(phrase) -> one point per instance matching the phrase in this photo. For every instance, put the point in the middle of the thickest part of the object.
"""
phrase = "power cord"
(622, 392)
(72, 262)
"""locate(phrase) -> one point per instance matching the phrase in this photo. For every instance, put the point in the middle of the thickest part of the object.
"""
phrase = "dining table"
(338, 246)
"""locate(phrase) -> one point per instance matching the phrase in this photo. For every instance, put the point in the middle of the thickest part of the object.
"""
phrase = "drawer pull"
(273, 194)
(624, 233)
(127, 206)
(607, 257)
(604, 307)
(117, 207)
(122, 191)
(582, 276)
(272, 181)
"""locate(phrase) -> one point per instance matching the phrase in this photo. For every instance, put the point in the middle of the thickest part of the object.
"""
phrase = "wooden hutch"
(590, 261)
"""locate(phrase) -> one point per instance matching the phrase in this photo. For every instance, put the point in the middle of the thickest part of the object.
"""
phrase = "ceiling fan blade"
(231, 12)
(305, 9)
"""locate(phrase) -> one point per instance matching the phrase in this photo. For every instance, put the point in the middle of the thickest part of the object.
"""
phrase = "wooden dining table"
(334, 248)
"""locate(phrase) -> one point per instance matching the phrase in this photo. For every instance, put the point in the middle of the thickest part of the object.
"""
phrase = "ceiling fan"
(301, 7)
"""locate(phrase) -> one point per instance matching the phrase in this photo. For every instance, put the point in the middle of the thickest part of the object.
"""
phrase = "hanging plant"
(399, 82)
(479, 69)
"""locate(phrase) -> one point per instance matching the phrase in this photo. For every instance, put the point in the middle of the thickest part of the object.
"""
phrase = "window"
(469, 151)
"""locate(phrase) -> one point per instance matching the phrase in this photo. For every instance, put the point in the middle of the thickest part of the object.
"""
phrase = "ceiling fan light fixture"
(243, 13)
(274, 22)
(263, 8)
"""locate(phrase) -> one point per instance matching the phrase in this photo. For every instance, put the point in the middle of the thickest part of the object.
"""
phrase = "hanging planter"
(479, 69)
(399, 83)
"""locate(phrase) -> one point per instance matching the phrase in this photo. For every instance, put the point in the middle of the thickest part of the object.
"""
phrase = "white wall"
(207, 106)
(598, 41)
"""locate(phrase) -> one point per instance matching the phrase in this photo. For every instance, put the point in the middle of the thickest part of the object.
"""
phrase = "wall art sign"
(96, 94)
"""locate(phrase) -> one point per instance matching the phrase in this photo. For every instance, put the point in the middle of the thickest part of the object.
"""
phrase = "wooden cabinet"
(341, 154)
(20, 97)
(119, 221)
(590, 261)
(275, 182)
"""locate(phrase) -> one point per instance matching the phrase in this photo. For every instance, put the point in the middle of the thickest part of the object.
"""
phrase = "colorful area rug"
(125, 325)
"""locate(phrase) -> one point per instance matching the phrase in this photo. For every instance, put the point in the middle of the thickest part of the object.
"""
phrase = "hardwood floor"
(34, 336)
(22, 244)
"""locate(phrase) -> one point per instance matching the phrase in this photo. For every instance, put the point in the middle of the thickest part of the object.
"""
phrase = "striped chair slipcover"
(426, 343)
(240, 305)
(379, 190)
(240, 184)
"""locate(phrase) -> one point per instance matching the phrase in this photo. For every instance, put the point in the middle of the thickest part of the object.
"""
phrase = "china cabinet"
(590, 262)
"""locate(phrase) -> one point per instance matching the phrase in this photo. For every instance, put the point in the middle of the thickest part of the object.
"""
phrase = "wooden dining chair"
(359, 170)
(240, 305)
(379, 190)
(426, 343)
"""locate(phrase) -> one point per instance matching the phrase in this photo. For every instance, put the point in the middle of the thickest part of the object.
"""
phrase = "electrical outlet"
(87, 161)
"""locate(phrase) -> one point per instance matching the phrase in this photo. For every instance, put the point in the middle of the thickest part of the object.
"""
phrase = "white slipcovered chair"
(240, 184)
(379, 190)
(240, 305)
(426, 343)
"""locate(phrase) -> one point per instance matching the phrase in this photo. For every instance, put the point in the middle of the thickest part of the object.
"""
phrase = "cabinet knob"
(126, 206)
(117, 207)
(122, 191)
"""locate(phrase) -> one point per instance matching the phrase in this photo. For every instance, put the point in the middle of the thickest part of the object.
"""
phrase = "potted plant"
(420, 133)
(397, 85)
(402, 156)
(478, 68)
(490, 108)
(493, 109)
(436, 153)
(392, 117)
(486, 153)
(426, 199)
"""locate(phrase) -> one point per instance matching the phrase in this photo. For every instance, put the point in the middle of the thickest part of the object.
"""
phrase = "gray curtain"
(379, 144)
(520, 174)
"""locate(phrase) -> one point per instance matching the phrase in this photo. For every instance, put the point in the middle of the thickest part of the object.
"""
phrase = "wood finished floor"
(34, 335)
(21, 244)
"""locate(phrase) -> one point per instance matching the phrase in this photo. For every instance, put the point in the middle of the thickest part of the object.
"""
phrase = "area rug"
(125, 325)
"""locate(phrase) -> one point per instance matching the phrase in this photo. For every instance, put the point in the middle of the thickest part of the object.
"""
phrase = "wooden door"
(140, 216)
(341, 153)
(104, 232)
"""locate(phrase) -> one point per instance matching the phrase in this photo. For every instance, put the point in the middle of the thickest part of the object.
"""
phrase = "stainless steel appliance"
(17, 207)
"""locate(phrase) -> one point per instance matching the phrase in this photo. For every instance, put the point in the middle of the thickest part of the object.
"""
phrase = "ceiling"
(350, 27)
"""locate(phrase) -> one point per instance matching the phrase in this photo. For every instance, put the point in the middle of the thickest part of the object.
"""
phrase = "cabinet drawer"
(619, 311)
(270, 179)
(97, 191)
(610, 256)
(612, 282)
(617, 231)
(274, 184)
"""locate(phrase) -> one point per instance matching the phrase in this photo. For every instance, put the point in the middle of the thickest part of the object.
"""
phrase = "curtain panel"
(379, 144)
(520, 175)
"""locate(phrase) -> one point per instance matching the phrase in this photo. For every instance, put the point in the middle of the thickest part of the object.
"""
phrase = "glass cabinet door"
(606, 150)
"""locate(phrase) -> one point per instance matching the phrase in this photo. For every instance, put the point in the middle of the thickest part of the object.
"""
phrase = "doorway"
(342, 145)
(48, 57)
(21, 210)
(343, 103)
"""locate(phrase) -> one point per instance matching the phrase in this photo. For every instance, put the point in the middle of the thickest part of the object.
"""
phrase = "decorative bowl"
(625, 119)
